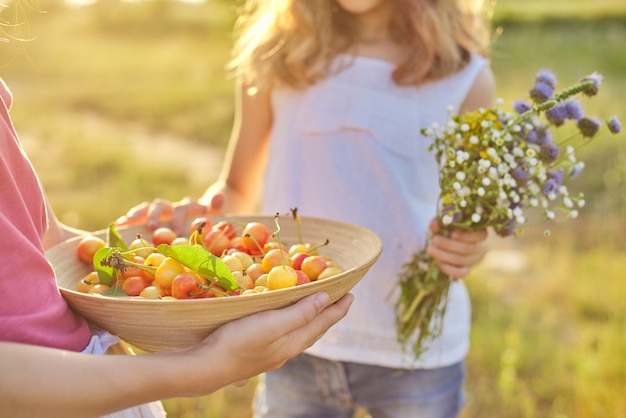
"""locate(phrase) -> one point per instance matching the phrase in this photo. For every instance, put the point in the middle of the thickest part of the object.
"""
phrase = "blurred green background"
(121, 102)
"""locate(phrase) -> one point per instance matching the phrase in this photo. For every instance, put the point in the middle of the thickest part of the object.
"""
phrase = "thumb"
(434, 226)
(217, 201)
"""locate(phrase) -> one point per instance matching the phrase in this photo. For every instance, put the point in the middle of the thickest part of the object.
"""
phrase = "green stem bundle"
(421, 305)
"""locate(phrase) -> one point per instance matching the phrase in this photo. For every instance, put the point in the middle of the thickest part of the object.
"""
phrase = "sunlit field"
(117, 103)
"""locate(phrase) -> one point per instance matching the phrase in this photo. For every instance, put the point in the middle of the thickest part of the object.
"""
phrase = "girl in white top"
(331, 99)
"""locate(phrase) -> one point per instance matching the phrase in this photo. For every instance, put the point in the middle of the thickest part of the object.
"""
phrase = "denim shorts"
(308, 386)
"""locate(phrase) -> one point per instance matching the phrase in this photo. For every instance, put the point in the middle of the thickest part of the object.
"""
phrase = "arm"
(482, 93)
(246, 155)
(459, 252)
(39, 381)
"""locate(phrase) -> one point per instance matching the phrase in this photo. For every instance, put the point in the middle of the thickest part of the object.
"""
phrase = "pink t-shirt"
(32, 310)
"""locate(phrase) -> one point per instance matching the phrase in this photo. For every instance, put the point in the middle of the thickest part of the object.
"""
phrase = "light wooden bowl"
(160, 325)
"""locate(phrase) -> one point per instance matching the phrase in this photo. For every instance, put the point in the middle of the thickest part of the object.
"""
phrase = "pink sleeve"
(32, 310)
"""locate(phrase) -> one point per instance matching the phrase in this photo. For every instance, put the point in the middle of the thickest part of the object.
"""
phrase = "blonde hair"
(14, 24)
(295, 41)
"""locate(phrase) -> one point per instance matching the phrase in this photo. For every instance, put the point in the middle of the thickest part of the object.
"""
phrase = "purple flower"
(576, 170)
(556, 175)
(596, 79)
(532, 136)
(574, 109)
(507, 229)
(545, 136)
(520, 174)
(557, 114)
(588, 126)
(550, 187)
(547, 77)
(541, 92)
(549, 152)
(504, 120)
(539, 135)
(521, 106)
(614, 126)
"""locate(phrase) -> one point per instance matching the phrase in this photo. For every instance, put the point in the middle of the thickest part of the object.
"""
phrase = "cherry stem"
(280, 245)
(256, 243)
(315, 247)
(296, 218)
(146, 243)
(204, 287)
(221, 233)
(127, 262)
(193, 238)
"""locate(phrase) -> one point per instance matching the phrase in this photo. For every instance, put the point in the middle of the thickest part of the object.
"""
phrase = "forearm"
(39, 381)
(246, 156)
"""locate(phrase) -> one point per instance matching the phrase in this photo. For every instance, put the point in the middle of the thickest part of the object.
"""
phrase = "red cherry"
(135, 284)
(186, 285)
(163, 235)
(296, 260)
(254, 236)
(302, 278)
(87, 248)
(229, 229)
(130, 271)
(195, 224)
(216, 242)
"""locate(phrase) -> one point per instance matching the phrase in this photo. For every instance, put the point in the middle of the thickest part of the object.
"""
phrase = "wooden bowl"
(159, 325)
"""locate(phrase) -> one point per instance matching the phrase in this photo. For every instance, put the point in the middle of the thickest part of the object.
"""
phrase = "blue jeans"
(308, 386)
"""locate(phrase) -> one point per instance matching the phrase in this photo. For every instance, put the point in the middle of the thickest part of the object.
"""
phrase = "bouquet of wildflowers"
(496, 168)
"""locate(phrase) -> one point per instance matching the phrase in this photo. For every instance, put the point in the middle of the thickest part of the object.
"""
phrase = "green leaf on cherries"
(114, 239)
(106, 274)
(200, 260)
(115, 292)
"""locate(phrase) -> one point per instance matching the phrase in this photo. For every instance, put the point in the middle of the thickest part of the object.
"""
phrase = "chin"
(361, 6)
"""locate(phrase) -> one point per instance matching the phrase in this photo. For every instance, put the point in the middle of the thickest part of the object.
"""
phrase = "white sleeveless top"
(350, 148)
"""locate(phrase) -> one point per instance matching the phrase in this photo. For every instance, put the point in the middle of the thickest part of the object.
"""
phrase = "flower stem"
(423, 289)
(542, 107)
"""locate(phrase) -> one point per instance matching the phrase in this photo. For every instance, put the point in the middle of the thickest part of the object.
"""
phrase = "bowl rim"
(258, 296)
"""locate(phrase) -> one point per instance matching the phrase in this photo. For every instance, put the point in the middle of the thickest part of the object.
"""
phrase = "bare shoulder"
(482, 93)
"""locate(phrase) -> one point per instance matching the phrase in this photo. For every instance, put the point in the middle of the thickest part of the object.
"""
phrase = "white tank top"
(350, 148)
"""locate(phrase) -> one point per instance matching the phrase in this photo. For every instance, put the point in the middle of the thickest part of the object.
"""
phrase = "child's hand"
(458, 253)
(264, 341)
(151, 213)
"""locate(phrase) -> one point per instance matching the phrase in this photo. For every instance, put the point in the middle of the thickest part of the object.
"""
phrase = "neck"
(373, 25)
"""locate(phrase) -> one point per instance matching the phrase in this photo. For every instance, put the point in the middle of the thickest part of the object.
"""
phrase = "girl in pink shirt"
(32, 310)
(43, 345)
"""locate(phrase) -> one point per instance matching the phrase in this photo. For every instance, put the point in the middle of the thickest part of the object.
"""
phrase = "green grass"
(548, 340)
(94, 85)
(540, 10)
(125, 102)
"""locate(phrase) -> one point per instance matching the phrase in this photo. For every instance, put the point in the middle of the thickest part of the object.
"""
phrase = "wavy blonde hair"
(14, 23)
(295, 41)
